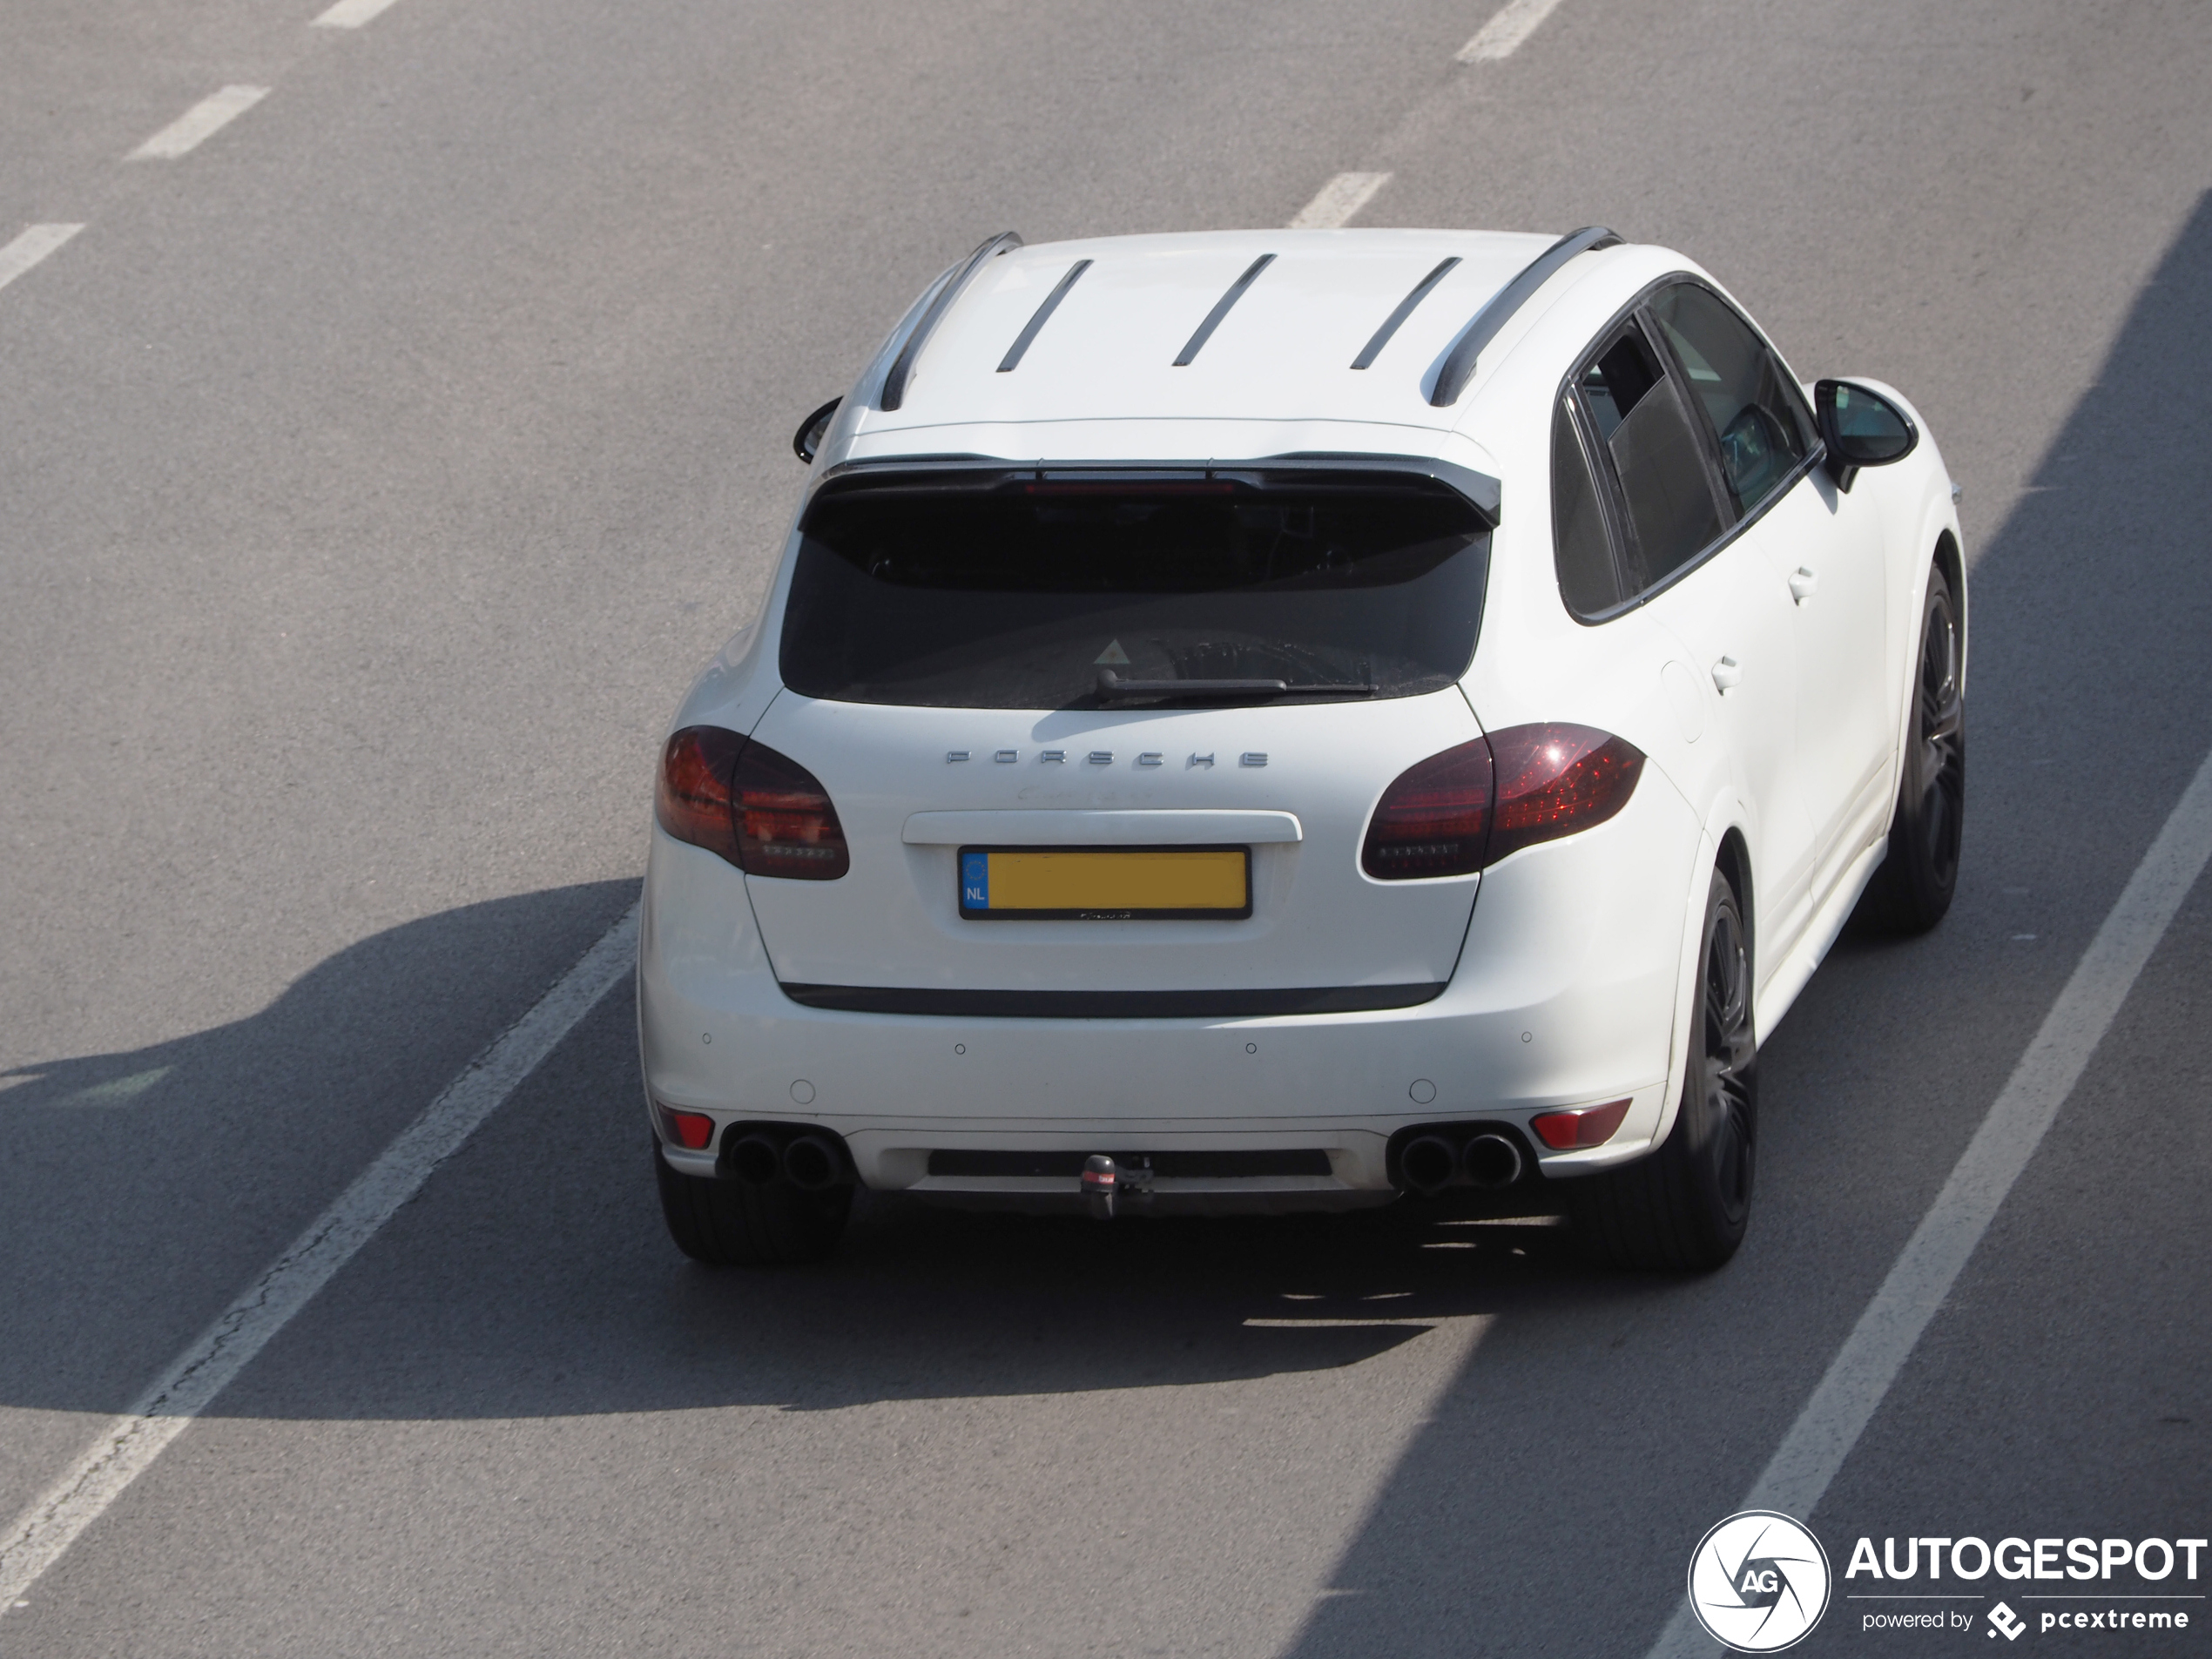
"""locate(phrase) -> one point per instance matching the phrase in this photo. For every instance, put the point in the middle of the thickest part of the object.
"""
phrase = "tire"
(727, 1223)
(1911, 888)
(1684, 1208)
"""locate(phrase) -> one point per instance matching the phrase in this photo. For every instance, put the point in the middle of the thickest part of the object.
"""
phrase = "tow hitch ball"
(1109, 1186)
(1102, 1185)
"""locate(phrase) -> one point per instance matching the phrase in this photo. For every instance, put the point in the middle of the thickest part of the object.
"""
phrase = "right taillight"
(743, 801)
(1472, 805)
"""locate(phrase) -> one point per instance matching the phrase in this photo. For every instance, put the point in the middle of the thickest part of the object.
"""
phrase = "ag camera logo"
(1758, 1581)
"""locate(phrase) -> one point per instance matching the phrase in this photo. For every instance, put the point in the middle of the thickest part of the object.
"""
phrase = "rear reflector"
(743, 801)
(1470, 807)
(1583, 1126)
(692, 1131)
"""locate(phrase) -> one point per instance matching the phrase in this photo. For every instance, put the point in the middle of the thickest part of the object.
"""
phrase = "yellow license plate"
(1105, 884)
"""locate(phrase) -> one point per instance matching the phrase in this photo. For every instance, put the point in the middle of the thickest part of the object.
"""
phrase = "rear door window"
(1757, 415)
(1096, 592)
(1646, 430)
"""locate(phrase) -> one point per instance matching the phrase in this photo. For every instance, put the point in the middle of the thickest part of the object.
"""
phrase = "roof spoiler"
(1479, 489)
(1457, 367)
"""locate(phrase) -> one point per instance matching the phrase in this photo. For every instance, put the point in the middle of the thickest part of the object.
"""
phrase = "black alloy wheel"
(1913, 889)
(1684, 1208)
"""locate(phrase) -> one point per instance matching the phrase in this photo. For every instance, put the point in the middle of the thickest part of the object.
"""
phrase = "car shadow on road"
(533, 1276)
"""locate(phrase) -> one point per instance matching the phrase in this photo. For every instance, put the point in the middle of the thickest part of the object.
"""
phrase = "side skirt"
(1790, 977)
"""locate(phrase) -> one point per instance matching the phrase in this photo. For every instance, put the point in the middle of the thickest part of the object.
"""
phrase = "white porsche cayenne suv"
(1298, 721)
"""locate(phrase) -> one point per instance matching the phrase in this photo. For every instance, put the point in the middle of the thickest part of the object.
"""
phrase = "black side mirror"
(808, 438)
(1860, 427)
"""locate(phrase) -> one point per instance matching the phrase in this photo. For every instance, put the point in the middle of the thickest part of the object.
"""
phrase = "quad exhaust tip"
(1491, 1161)
(808, 1162)
(812, 1164)
(1431, 1163)
(756, 1160)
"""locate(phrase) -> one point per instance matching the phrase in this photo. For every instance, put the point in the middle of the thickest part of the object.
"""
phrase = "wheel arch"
(1947, 558)
(1953, 563)
(1723, 846)
(1734, 860)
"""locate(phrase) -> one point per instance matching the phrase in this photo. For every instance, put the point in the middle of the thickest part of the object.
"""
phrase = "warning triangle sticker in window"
(1112, 654)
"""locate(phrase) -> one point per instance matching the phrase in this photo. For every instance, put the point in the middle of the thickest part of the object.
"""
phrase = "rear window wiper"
(1112, 685)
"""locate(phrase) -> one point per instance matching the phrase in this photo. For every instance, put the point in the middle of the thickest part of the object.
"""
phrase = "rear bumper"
(1564, 994)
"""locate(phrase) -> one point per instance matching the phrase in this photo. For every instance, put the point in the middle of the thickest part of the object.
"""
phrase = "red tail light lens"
(1472, 805)
(1583, 1126)
(1435, 819)
(1555, 780)
(785, 824)
(693, 802)
(743, 802)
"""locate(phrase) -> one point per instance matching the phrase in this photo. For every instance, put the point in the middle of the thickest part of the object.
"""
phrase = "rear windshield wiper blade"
(1112, 685)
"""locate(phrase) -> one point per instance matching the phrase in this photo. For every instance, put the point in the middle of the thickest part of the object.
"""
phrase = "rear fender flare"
(1726, 818)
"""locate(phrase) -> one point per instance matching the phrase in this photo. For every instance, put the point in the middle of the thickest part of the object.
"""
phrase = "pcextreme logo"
(1758, 1581)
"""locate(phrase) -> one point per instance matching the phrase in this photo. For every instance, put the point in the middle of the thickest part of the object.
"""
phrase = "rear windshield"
(1087, 595)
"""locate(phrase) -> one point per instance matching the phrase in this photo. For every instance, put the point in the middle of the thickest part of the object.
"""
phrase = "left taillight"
(745, 802)
(1466, 808)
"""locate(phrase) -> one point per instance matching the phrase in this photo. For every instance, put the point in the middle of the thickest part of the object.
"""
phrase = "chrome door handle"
(1803, 584)
(1727, 674)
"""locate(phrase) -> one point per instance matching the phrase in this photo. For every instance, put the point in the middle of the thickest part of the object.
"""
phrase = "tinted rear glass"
(1018, 595)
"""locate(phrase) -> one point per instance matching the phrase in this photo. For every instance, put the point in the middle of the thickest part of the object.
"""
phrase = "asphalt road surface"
(373, 476)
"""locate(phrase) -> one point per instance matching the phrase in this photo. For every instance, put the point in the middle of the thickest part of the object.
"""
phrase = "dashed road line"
(1515, 22)
(131, 1443)
(353, 14)
(1862, 1372)
(33, 244)
(196, 125)
(1340, 199)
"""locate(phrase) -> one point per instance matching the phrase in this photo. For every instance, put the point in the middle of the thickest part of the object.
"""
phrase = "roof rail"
(1192, 347)
(1458, 367)
(1043, 314)
(1373, 347)
(949, 287)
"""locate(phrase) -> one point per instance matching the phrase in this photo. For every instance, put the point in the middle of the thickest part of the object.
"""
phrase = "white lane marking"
(1340, 199)
(191, 129)
(129, 1444)
(353, 14)
(1922, 1277)
(1516, 22)
(34, 243)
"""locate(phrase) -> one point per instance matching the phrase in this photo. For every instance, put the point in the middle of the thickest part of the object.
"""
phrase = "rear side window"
(1672, 515)
(1762, 424)
(1588, 580)
(1103, 593)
